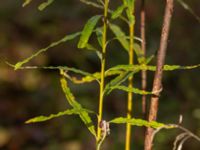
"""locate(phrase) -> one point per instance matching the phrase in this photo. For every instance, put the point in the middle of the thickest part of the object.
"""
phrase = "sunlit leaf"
(151, 68)
(121, 36)
(118, 12)
(116, 82)
(26, 2)
(82, 113)
(139, 122)
(87, 31)
(43, 5)
(66, 38)
(130, 10)
(45, 118)
(133, 90)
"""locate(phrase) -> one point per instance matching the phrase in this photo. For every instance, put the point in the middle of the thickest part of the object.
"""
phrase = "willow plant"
(120, 74)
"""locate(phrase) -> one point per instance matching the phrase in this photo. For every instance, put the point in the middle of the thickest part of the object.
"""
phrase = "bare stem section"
(143, 45)
(157, 84)
(130, 85)
(103, 62)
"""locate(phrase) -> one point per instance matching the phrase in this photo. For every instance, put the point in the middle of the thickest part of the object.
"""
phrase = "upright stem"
(157, 84)
(143, 37)
(130, 85)
(103, 62)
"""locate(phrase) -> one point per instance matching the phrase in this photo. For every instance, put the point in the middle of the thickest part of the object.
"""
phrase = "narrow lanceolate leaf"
(87, 31)
(139, 122)
(66, 38)
(26, 2)
(99, 33)
(139, 52)
(82, 113)
(117, 81)
(133, 90)
(121, 36)
(130, 10)
(45, 4)
(151, 68)
(92, 48)
(118, 12)
(45, 118)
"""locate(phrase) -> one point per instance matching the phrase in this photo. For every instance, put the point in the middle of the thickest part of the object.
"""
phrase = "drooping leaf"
(92, 48)
(118, 12)
(45, 118)
(121, 36)
(133, 90)
(117, 81)
(87, 31)
(139, 122)
(99, 33)
(139, 52)
(43, 5)
(82, 113)
(26, 2)
(66, 38)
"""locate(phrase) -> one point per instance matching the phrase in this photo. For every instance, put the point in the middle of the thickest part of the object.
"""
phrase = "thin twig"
(143, 45)
(157, 84)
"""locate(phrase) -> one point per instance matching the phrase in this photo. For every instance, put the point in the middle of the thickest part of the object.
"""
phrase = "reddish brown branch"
(157, 84)
(143, 37)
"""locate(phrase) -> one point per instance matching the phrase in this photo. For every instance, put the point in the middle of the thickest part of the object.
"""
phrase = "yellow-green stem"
(103, 62)
(130, 85)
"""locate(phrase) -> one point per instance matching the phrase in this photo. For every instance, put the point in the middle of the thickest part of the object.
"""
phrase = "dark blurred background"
(29, 93)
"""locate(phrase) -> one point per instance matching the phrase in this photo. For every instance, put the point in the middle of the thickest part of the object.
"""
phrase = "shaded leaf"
(118, 12)
(99, 33)
(121, 36)
(139, 52)
(139, 122)
(66, 38)
(82, 113)
(87, 31)
(43, 5)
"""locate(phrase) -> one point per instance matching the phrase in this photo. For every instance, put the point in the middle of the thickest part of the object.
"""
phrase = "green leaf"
(117, 81)
(71, 99)
(139, 52)
(45, 118)
(45, 4)
(133, 90)
(26, 2)
(99, 33)
(87, 31)
(118, 12)
(64, 39)
(92, 48)
(150, 68)
(139, 122)
(130, 10)
(121, 36)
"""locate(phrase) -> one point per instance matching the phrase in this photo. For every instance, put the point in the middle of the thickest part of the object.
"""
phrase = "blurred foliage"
(28, 93)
